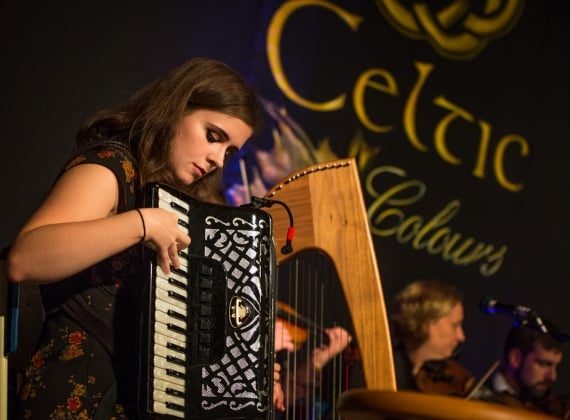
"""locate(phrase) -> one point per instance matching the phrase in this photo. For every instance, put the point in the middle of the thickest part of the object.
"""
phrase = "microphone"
(493, 306)
(523, 314)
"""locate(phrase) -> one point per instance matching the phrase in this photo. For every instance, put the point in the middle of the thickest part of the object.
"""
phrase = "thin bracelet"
(143, 224)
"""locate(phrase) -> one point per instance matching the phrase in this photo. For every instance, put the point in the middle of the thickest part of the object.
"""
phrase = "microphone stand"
(541, 326)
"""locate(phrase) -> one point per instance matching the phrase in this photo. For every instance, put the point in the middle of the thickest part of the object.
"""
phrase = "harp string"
(304, 283)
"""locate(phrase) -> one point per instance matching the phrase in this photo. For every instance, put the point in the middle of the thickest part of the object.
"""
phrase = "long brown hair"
(147, 122)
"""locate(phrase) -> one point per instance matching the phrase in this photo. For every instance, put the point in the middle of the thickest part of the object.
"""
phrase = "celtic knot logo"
(457, 29)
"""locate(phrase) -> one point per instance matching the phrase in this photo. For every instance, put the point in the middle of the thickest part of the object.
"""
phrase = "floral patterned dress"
(81, 369)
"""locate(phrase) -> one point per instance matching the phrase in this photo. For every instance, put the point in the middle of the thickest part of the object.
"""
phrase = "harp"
(330, 216)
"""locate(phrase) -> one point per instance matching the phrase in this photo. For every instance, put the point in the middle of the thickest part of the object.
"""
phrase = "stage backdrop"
(456, 112)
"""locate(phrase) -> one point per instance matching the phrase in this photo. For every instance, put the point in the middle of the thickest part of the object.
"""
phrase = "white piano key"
(183, 258)
(163, 340)
(164, 351)
(162, 294)
(159, 396)
(162, 329)
(161, 408)
(162, 385)
(165, 319)
(161, 374)
(167, 198)
(163, 306)
(161, 362)
(165, 202)
(183, 267)
(162, 282)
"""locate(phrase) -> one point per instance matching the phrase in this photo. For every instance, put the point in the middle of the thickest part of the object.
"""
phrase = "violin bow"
(482, 380)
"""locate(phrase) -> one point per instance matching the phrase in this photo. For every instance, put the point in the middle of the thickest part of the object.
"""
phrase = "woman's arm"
(77, 226)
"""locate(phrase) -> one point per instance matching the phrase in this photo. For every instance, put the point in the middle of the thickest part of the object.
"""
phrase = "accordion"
(206, 331)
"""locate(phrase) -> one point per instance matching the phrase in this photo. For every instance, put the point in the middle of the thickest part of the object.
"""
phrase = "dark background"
(64, 60)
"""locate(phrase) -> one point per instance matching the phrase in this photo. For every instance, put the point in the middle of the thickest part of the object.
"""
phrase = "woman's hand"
(164, 235)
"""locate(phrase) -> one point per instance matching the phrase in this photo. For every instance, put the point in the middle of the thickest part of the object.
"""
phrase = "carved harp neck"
(329, 214)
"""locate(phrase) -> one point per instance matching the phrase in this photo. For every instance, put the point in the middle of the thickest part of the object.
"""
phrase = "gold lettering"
(274, 34)
(479, 170)
(479, 251)
(441, 218)
(443, 234)
(365, 80)
(494, 262)
(500, 158)
(441, 128)
(448, 247)
(411, 105)
(391, 197)
(383, 216)
(415, 222)
(434, 235)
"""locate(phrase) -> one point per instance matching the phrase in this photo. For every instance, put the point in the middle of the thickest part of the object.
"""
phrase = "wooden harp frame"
(329, 214)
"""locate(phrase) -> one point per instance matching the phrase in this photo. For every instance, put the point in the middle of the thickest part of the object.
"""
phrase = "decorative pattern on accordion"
(207, 337)
(239, 245)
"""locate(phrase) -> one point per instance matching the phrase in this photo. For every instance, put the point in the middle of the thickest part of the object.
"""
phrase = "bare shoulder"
(84, 192)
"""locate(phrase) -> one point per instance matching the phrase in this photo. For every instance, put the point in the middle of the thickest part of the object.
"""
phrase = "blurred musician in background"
(81, 245)
(427, 323)
(300, 375)
(529, 369)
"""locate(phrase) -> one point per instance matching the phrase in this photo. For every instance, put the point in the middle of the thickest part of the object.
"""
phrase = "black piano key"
(175, 407)
(180, 272)
(175, 373)
(178, 208)
(176, 315)
(176, 296)
(176, 360)
(177, 283)
(175, 393)
(175, 347)
(176, 328)
(183, 223)
(183, 254)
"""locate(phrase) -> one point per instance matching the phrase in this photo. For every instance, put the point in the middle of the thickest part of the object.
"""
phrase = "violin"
(551, 404)
(449, 377)
(297, 325)
(445, 377)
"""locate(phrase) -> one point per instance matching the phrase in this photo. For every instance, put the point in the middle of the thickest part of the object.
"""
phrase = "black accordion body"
(207, 331)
